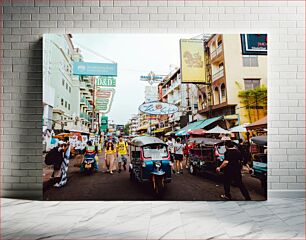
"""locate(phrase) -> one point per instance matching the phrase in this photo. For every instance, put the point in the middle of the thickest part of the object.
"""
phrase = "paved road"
(104, 186)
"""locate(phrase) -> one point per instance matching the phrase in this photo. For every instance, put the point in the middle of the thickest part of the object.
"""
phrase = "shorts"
(178, 157)
(122, 158)
(171, 157)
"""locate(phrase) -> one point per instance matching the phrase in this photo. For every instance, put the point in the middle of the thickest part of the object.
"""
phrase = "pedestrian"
(64, 148)
(171, 152)
(110, 153)
(123, 153)
(178, 156)
(232, 172)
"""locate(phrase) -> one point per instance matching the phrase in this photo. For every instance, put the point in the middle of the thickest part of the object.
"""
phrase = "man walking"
(122, 151)
(232, 172)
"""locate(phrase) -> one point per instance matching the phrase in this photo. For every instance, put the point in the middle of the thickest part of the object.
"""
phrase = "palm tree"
(254, 98)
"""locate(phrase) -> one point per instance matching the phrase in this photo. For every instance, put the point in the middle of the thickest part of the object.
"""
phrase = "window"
(65, 104)
(251, 83)
(62, 102)
(66, 86)
(223, 92)
(63, 82)
(250, 61)
(221, 66)
(68, 106)
(69, 89)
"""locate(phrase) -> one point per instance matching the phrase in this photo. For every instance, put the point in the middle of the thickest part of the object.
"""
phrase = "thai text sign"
(192, 61)
(104, 98)
(105, 81)
(158, 108)
(94, 69)
(151, 93)
(254, 44)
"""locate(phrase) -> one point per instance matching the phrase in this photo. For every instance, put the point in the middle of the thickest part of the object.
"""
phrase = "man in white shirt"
(178, 156)
(171, 150)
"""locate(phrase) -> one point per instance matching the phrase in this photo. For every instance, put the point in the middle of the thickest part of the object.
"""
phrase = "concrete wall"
(24, 22)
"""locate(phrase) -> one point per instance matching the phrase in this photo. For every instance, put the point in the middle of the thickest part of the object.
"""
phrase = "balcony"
(218, 75)
(216, 55)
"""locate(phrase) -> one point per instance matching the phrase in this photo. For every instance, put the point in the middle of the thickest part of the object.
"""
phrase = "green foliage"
(254, 99)
(127, 128)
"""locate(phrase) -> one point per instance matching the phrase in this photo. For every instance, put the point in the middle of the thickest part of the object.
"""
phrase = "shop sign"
(105, 81)
(94, 69)
(104, 98)
(158, 108)
(192, 61)
(254, 44)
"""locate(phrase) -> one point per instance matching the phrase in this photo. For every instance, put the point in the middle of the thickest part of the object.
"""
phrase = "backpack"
(53, 156)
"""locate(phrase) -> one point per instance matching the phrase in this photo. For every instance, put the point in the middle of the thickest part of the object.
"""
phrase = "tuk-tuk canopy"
(146, 140)
(260, 140)
(206, 141)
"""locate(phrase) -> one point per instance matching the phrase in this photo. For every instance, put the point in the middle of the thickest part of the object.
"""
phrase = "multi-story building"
(134, 124)
(86, 102)
(184, 96)
(230, 72)
(64, 94)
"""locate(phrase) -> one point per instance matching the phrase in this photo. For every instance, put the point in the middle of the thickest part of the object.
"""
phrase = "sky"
(136, 55)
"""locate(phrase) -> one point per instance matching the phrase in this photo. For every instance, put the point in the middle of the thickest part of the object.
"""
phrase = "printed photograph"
(175, 117)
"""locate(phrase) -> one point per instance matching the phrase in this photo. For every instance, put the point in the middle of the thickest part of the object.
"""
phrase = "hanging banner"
(151, 94)
(192, 61)
(94, 69)
(105, 81)
(254, 44)
(104, 98)
(158, 108)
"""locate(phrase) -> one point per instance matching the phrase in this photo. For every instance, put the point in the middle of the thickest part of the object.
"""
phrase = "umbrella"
(239, 129)
(219, 130)
(199, 131)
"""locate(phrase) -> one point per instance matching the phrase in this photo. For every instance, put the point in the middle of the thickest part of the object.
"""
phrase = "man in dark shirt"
(232, 172)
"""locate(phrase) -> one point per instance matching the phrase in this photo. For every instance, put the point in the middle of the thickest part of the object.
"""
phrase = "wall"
(24, 22)
(236, 73)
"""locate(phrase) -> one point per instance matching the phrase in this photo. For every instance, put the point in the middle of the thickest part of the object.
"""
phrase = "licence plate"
(87, 165)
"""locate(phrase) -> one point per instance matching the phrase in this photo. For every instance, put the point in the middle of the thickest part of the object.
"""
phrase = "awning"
(160, 130)
(208, 121)
(259, 124)
(238, 129)
(144, 127)
(218, 130)
(197, 125)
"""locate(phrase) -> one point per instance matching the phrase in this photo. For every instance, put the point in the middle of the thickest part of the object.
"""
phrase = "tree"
(254, 99)
(127, 129)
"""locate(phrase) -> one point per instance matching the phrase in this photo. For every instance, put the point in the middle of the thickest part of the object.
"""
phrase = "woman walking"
(110, 152)
(64, 148)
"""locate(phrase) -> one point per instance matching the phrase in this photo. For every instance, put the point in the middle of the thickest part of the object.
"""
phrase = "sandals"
(225, 197)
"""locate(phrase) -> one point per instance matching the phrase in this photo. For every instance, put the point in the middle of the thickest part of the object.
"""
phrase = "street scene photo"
(176, 117)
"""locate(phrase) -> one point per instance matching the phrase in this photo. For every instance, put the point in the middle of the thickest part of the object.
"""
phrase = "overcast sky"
(136, 55)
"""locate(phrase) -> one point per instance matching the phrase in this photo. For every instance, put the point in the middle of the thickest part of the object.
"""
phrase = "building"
(184, 96)
(229, 72)
(67, 99)
(134, 124)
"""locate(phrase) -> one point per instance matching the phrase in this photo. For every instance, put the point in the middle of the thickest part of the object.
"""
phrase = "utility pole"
(94, 105)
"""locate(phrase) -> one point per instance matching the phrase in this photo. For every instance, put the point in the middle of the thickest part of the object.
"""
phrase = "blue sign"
(254, 44)
(158, 108)
(94, 69)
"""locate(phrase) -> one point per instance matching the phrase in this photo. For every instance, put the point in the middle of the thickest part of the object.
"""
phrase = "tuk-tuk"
(207, 155)
(150, 162)
(258, 152)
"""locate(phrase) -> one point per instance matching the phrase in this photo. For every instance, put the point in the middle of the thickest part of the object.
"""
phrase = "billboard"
(104, 98)
(158, 108)
(254, 44)
(192, 61)
(94, 69)
(151, 93)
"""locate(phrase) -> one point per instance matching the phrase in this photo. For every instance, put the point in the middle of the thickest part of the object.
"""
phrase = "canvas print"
(179, 117)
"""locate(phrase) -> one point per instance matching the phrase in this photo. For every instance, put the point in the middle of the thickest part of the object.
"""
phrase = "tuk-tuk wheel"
(192, 170)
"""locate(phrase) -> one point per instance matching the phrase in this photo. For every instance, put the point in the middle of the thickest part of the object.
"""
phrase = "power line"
(95, 53)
